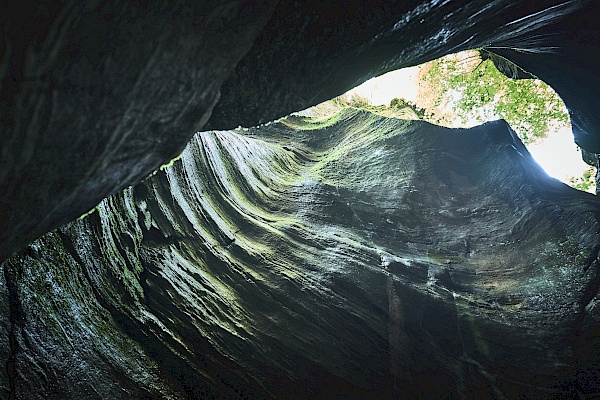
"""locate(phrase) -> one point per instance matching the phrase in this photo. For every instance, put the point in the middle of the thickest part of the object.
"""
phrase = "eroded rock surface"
(96, 96)
(353, 256)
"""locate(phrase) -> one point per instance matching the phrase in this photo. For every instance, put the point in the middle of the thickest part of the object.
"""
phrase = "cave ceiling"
(97, 96)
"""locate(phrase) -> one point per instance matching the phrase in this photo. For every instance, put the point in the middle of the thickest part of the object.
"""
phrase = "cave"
(173, 225)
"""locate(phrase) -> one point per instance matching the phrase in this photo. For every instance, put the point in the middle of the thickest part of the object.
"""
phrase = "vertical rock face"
(354, 255)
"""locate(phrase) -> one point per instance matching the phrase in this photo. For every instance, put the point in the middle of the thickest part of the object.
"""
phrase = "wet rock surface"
(355, 256)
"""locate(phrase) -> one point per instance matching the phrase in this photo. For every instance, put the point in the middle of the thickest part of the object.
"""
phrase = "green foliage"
(356, 101)
(397, 104)
(587, 182)
(477, 91)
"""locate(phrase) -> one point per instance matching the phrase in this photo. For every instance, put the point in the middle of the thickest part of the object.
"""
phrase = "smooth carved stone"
(354, 256)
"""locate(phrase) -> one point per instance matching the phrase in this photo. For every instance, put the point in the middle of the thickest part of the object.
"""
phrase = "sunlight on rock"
(439, 90)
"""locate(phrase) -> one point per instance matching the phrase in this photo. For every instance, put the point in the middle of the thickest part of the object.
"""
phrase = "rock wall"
(351, 256)
(354, 256)
(96, 96)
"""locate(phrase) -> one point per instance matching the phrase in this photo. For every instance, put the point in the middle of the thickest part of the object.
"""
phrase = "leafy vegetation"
(471, 85)
(398, 108)
(586, 182)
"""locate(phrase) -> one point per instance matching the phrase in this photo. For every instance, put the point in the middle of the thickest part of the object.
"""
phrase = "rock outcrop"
(96, 96)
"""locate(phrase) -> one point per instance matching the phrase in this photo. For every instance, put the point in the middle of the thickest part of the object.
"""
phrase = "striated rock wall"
(354, 256)
(96, 96)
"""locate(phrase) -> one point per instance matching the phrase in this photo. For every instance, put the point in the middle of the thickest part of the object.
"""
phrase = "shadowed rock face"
(356, 255)
(352, 256)
(96, 96)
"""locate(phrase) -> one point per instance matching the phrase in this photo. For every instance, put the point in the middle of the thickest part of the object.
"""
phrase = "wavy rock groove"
(353, 255)
(96, 96)
(315, 256)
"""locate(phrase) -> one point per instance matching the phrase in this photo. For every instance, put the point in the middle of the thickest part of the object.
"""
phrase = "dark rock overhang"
(97, 96)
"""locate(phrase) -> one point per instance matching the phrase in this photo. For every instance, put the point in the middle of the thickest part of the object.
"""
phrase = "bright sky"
(401, 83)
(557, 154)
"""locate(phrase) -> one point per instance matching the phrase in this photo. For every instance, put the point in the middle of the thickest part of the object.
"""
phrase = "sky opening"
(466, 89)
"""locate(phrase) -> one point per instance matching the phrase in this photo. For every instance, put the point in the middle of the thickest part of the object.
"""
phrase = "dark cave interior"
(353, 256)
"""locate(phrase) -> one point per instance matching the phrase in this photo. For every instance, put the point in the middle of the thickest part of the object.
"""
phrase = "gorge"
(341, 256)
